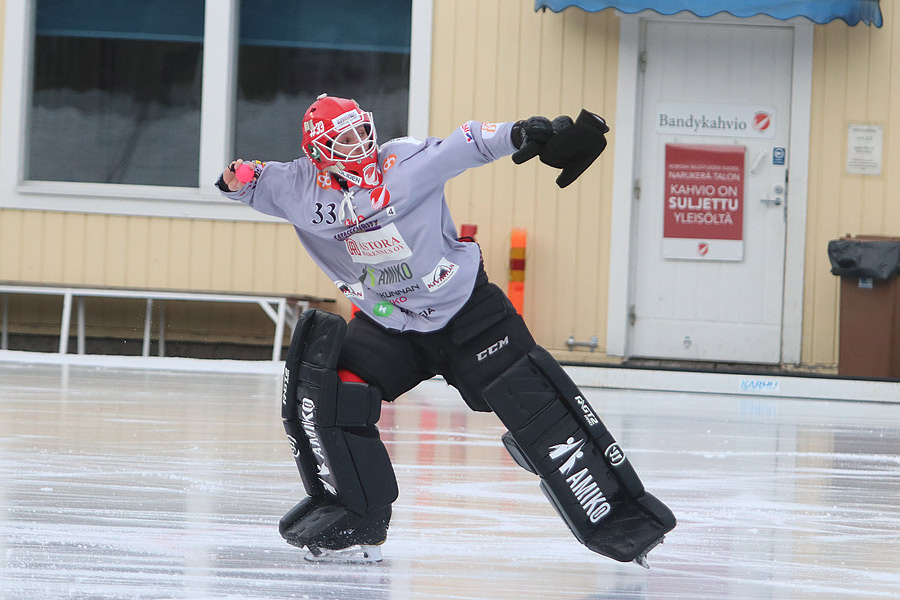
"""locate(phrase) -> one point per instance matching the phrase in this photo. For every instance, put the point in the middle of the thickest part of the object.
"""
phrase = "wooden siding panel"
(137, 251)
(504, 205)
(242, 258)
(573, 277)
(888, 47)
(11, 233)
(52, 246)
(545, 63)
(526, 203)
(544, 271)
(222, 260)
(158, 252)
(832, 217)
(201, 253)
(854, 82)
(94, 254)
(73, 258)
(115, 252)
(482, 202)
(442, 58)
(265, 249)
(815, 213)
(600, 53)
(178, 266)
(32, 248)
(285, 258)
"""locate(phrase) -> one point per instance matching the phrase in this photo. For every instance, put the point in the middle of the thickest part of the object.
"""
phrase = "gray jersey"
(391, 250)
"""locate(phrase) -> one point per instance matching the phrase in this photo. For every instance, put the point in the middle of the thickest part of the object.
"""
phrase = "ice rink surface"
(139, 485)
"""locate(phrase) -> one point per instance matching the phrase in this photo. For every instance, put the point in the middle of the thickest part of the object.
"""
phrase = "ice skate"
(641, 559)
(360, 553)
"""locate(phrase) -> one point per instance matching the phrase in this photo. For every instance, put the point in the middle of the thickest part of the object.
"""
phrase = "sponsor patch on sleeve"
(488, 130)
(467, 131)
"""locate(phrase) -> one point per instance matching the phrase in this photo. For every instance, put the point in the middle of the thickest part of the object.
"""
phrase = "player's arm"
(470, 145)
(263, 186)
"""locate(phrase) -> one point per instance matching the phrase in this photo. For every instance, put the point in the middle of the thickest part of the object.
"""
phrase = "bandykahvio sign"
(704, 202)
(723, 120)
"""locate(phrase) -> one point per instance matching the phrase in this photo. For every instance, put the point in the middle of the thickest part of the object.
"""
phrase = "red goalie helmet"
(338, 136)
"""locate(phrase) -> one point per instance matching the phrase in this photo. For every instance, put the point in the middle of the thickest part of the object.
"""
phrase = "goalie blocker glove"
(571, 146)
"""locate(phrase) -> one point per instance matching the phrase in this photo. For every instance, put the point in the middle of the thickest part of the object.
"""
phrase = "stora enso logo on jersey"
(382, 245)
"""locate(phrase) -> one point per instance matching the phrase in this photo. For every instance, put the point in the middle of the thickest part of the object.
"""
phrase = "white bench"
(277, 308)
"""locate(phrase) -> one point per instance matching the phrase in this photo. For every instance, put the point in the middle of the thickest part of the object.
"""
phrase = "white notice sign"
(864, 149)
(721, 120)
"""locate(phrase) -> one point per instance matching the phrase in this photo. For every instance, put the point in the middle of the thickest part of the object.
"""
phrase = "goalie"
(375, 220)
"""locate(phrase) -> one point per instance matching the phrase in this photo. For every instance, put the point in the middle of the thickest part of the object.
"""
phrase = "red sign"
(704, 202)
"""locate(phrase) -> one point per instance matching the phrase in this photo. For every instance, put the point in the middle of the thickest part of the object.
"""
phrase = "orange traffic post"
(516, 288)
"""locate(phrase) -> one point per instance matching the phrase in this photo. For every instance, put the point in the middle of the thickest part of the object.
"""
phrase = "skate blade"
(641, 559)
(352, 554)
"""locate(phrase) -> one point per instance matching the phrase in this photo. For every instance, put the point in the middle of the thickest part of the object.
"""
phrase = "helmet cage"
(350, 137)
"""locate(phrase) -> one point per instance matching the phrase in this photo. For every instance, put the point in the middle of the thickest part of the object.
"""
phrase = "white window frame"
(216, 115)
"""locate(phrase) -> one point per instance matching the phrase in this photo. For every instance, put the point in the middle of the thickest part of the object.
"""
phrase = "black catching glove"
(562, 144)
(531, 135)
(575, 148)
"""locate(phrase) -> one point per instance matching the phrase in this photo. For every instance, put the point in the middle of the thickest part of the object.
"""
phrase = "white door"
(708, 256)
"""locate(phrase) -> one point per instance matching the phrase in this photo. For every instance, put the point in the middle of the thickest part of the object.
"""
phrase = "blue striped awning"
(817, 11)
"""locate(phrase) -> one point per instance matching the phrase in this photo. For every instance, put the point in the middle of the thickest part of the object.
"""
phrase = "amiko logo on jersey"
(389, 275)
(440, 275)
(373, 247)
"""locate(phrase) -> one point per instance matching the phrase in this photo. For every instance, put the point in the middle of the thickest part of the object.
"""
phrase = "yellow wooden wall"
(498, 60)
(856, 79)
(176, 254)
(164, 253)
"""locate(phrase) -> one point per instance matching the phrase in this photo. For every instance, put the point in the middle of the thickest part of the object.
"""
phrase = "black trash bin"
(870, 304)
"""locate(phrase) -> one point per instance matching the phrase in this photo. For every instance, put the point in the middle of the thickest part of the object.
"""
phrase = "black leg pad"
(555, 433)
(330, 424)
(318, 523)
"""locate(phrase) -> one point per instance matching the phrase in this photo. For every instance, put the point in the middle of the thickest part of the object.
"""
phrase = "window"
(133, 108)
(116, 92)
(292, 51)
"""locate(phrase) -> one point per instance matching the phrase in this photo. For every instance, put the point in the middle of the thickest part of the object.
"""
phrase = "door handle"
(777, 200)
